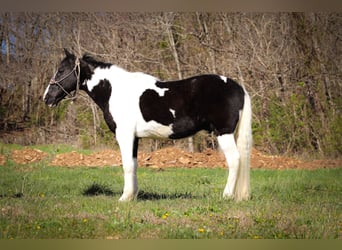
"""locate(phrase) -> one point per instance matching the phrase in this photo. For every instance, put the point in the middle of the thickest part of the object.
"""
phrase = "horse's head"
(65, 80)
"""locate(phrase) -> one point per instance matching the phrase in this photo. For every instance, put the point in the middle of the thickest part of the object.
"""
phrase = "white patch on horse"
(224, 78)
(46, 91)
(230, 150)
(173, 112)
(127, 87)
(153, 129)
(105, 73)
(160, 91)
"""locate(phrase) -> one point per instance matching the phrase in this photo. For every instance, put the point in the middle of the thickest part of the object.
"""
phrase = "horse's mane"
(91, 60)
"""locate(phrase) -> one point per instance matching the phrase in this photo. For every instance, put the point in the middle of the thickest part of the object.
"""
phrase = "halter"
(77, 71)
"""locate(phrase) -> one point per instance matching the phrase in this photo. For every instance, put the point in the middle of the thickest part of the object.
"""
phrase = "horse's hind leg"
(229, 148)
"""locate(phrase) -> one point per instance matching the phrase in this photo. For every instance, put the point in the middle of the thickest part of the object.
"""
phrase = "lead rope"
(78, 76)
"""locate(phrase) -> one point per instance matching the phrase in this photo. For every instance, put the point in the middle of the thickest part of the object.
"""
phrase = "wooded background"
(289, 62)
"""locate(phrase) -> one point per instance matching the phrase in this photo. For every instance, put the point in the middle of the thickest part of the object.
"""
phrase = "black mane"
(95, 63)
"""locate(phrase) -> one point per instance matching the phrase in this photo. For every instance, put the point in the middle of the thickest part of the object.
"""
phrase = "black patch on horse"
(196, 102)
(101, 94)
(155, 107)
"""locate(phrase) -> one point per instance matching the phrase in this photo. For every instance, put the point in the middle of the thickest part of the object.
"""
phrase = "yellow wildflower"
(164, 216)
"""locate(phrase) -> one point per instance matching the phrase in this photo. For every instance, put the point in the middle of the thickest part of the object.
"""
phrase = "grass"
(39, 201)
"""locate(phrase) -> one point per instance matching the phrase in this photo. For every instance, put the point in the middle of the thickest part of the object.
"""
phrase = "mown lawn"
(39, 201)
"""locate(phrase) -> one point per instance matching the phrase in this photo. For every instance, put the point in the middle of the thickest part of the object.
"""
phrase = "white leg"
(129, 166)
(228, 146)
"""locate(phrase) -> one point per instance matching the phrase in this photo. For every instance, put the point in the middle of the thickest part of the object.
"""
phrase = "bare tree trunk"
(207, 41)
(324, 72)
(94, 111)
(170, 35)
(7, 39)
(174, 49)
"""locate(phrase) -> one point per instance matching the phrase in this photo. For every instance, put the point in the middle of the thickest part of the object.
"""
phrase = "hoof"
(228, 196)
(236, 198)
(126, 198)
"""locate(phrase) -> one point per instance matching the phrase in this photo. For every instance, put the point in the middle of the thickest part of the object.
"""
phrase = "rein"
(77, 71)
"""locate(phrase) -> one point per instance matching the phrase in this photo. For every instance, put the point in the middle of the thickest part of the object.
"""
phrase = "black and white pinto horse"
(139, 105)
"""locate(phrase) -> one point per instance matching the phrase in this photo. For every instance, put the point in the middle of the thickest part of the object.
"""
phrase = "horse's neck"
(106, 81)
(101, 84)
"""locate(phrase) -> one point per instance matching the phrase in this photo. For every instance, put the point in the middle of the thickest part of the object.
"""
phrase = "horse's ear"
(67, 53)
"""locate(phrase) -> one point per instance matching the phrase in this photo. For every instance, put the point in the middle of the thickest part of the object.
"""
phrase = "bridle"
(77, 71)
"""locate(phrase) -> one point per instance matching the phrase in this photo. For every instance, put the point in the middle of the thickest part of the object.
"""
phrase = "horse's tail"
(244, 145)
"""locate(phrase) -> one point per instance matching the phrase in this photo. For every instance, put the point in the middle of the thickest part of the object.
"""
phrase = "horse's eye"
(60, 71)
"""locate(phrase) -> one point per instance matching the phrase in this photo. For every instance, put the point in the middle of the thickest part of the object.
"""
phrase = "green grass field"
(38, 201)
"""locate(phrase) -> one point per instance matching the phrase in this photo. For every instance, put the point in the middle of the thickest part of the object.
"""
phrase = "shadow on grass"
(142, 195)
(98, 189)
(17, 195)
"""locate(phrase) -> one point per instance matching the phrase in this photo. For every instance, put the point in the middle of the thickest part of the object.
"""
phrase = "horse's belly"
(153, 129)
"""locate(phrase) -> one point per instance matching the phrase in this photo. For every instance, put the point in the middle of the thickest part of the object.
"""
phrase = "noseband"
(77, 72)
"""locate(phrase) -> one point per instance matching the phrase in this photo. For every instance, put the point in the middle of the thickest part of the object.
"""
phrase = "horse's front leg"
(129, 147)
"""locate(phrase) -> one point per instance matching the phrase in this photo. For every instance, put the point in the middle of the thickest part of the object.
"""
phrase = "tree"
(289, 63)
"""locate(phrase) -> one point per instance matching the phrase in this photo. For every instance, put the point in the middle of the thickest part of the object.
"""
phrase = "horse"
(137, 105)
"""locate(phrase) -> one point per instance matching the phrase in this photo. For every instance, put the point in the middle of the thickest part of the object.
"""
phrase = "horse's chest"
(127, 114)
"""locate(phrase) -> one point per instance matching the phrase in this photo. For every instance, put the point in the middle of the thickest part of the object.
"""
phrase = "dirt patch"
(163, 158)
(2, 160)
(260, 160)
(166, 158)
(101, 158)
(175, 157)
(27, 155)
